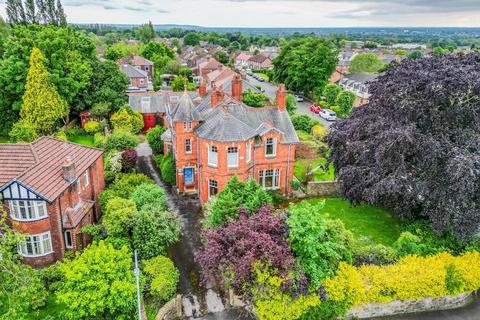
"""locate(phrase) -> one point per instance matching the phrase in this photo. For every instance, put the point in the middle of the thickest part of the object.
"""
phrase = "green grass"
(4, 139)
(302, 167)
(375, 223)
(85, 140)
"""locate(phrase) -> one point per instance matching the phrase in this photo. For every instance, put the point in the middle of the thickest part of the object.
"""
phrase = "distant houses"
(139, 71)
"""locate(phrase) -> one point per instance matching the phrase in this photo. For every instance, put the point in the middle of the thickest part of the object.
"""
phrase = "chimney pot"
(237, 87)
(281, 98)
(68, 169)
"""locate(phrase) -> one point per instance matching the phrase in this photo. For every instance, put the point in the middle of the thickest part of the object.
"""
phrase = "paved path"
(302, 107)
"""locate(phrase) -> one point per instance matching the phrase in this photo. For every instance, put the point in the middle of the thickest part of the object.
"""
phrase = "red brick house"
(50, 189)
(259, 62)
(138, 78)
(222, 137)
(139, 63)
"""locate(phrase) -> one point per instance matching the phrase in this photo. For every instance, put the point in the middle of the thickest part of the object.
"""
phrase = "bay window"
(28, 210)
(269, 179)
(36, 245)
(212, 156)
(232, 157)
(270, 147)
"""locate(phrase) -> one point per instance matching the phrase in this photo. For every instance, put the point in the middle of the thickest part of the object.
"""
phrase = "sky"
(276, 13)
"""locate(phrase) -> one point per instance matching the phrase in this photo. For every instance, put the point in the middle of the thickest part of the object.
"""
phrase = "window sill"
(215, 166)
(232, 167)
(35, 256)
(24, 220)
(273, 156)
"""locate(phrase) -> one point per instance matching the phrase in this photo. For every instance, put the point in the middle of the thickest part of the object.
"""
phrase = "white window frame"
(187, 125)
(271, 173)
(188, 143)
(86, 181)
(230, 152)
(274, 147)
(213, 156)
(79, 186)
(248, 155)
(212, 184)
(68, 246)
(42, 243)
(34, 210)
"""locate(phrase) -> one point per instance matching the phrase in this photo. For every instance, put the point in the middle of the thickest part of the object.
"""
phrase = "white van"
(328, 115)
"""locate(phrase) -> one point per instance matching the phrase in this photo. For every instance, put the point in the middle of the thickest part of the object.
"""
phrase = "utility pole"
(136, 272)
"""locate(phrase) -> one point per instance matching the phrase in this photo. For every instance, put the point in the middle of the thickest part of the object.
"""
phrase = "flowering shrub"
(129, 159)
(92, 127)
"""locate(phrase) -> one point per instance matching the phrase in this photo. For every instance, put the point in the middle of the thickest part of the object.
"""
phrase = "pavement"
(302, 107)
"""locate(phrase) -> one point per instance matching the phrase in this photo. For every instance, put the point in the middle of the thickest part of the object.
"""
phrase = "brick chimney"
(202, 88)
(68, 169)
(281, 98)
(217, 95)
(237, 87)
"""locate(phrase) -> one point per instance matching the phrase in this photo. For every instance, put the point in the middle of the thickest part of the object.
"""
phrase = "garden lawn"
(85, 140)
(302, 167)
(375, 223)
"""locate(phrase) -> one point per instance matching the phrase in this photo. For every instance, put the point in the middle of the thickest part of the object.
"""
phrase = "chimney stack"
(217, 95)
(68, 169)
(281, 98)
(237, 87)
(202, 88)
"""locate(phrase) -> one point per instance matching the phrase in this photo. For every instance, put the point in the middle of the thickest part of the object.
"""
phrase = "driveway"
(302, 107)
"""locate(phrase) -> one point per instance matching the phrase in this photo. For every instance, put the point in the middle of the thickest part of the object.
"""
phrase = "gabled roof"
(155, 102)
(133, 72)
(141, 61)
(259, 58)
(38, 166)
(223, 127)
(185, 110)
(243, 56)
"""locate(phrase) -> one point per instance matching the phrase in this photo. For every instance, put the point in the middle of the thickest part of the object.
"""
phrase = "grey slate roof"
(224, 127)
(227, 87)
(185, 110)
(133, 72)
(167, 136)
(361, 77)
(148, 102)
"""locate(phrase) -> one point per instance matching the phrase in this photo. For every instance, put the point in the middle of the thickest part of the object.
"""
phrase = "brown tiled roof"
(73, 216)
(141, 61)
(39, 165)
(259, 58)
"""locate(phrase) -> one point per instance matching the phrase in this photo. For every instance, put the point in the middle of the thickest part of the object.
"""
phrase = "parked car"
(328, 115)
(315, 108)
(260, 79)
(299, 98)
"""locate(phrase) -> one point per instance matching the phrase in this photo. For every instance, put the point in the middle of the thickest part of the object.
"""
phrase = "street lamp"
(136, 272)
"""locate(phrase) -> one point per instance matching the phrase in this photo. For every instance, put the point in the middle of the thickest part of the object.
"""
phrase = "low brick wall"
(171, 310)
(322, 188)
(374, 310)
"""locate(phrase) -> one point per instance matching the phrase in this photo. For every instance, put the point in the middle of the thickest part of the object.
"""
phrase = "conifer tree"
(42, 105)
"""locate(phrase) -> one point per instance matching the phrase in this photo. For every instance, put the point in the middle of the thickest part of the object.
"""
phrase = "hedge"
(167, 167)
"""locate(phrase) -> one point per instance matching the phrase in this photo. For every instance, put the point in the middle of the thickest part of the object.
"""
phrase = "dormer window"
(187, 125)
(270, 147)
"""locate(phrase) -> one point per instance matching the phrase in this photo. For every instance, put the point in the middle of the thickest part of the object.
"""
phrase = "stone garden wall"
(374, 310)
(322, 188)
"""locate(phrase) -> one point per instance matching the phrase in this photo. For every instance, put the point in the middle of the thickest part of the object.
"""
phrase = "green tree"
(191, 39)
(154, 230)
(162, 278)
(253, 99)
(23, 131)
(149, 193)
(415, 54)
(438, 51)
(145, 33)
(178, 84)
(331, 93)
(222, 57)
(319, 244)
(99, 282)
(154, 139)
(42, 105)
(306, 64)
(291, 104)
(3, 35)
(118, 217)
(153, 49)
(365, 62)
(43, 11)
(345, 101)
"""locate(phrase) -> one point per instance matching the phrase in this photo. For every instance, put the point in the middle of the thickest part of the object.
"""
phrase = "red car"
(315, 108)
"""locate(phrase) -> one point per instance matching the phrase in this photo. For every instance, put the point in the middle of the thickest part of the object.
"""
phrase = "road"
(302, 107)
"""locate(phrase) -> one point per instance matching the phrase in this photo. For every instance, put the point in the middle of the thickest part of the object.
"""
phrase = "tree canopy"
(39, 11)
(305, 65)
(365, 62)
(414, 148)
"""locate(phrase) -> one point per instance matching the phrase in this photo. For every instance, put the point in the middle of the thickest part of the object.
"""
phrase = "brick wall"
(137, 82)
(322, 188)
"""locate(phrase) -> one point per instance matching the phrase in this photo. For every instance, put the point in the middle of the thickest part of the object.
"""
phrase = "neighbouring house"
(222, 137)
(139, 63)
(358, 84)
(206, 66)
(241, 59)
(153, 106)
(259, 62)
(219, 75)
(50, 189)
(138, 78)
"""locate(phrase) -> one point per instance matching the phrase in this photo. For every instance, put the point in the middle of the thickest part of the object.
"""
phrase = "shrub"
(127, 120)
(409, 243)
(121, 140)
(99, 281)
(229, 251)
(75, 131)
(162, 277)
(129, 159)
(99, 140)
(319, 132)
(100, 109)
(319, 244)
(377, 254)
(92, 127)
(154, 139)
(154, 230)
(331, 93)
(235, 195)
(295, 185)
(168, 169)
(118, 216)
(345, 101)
(149, 194)
(23, 131)
(112, 165)
(303, 122)
(137, 122)
(61, 135)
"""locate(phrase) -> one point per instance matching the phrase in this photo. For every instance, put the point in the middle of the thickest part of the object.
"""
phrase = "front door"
(188, 178)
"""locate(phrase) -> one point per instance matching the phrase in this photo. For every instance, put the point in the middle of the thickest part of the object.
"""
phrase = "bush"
(154, 139)
(145, 194)
(331, 93)
(168, 169)
(303, 122)
(345, 101)
(75, 131)
(121, 140)
(129, 159)
(100, 109)
(319, 132)
(377, 254)
(118, 216)
(162, 278)
(409, 243)
(235, 195)
(154, 230)
(61, 135)
(99, 140)
(92, 127)
(112, 165)
(295, 185)
(23, 131)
